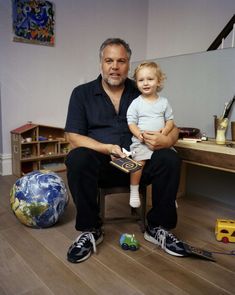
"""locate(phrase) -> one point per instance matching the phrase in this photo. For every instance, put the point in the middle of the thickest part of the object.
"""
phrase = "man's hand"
(156, 140)
(116, 152)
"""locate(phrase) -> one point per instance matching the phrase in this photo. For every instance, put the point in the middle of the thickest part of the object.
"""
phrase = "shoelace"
(173, 237)
(161, 237)
(81, 240)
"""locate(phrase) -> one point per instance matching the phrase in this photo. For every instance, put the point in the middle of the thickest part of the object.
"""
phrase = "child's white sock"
(134, 196)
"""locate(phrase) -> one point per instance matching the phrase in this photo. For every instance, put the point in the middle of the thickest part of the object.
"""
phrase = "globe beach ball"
(39, 198)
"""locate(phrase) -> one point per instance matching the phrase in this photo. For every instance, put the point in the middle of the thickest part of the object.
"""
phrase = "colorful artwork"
(33, 21)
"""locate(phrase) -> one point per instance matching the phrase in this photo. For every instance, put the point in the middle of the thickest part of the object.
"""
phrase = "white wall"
(185, 26)
(198, 85)
(1, 144)
(36, 81)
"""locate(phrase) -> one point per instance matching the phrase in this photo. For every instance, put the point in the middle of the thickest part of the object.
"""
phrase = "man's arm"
(156, 140)
(77, 140)
(168, 127)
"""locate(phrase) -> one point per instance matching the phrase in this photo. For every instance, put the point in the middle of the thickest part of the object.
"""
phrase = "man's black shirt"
(91, 113)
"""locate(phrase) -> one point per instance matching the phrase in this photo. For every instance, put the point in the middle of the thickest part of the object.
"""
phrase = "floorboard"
(33, 261)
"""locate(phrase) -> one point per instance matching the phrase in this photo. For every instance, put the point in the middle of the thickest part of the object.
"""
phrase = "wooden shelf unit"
(36, 147)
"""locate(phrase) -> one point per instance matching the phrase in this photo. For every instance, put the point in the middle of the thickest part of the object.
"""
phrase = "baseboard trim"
(5, 164)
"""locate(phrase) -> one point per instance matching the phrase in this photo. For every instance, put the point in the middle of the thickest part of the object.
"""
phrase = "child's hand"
(140, 137)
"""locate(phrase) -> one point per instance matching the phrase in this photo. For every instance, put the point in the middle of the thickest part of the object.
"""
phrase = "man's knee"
(167, 157)
(78, 158)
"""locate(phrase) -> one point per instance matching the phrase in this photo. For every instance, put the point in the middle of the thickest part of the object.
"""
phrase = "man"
(96, 128)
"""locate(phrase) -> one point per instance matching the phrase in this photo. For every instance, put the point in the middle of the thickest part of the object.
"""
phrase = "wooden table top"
(208, 153)
(209, 146)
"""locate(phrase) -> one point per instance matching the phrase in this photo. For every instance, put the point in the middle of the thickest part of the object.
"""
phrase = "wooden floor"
(33, 261)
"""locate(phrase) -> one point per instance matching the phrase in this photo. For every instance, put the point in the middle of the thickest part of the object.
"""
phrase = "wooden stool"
(137, 214)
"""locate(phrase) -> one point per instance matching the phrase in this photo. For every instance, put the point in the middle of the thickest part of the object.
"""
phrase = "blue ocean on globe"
(39, 198)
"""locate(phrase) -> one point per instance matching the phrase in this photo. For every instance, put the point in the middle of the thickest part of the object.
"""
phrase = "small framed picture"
(33, 22)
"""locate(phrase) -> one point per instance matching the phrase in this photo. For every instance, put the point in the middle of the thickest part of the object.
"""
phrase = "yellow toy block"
(225, 230)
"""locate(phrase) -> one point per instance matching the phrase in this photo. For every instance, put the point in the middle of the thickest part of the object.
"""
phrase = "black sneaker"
(166, 240)
(82, 247)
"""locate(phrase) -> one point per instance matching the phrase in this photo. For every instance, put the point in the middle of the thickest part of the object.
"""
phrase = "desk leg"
(182, 184)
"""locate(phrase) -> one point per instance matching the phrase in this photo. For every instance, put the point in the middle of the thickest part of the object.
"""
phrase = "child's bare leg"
(134, 187)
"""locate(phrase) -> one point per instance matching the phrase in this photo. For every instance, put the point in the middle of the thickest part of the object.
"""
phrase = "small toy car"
(225, 230)
(129, 242)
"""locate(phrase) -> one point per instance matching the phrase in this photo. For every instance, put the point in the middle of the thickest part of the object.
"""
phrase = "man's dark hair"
(115, 41)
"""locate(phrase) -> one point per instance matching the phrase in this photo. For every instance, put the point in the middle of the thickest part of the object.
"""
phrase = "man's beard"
(114, 82)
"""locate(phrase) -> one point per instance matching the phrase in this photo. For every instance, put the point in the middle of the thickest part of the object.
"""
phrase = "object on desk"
(222, 125)
(225, 230)
(215, 124)
(228, 107)
(189, 132)
(191, 139)
(230, 145)
(127, 165)
(233, 130)
(204, 137)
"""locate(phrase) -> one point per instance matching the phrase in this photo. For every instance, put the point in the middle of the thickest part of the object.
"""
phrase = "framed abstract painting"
(33, 22)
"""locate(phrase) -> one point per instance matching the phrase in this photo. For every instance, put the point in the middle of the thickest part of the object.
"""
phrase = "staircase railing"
(219, 40)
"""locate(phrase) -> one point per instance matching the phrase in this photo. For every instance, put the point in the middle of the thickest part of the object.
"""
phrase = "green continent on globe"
(26, 212)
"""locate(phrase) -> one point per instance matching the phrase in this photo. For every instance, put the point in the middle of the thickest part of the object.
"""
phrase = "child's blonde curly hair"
(159, 73)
